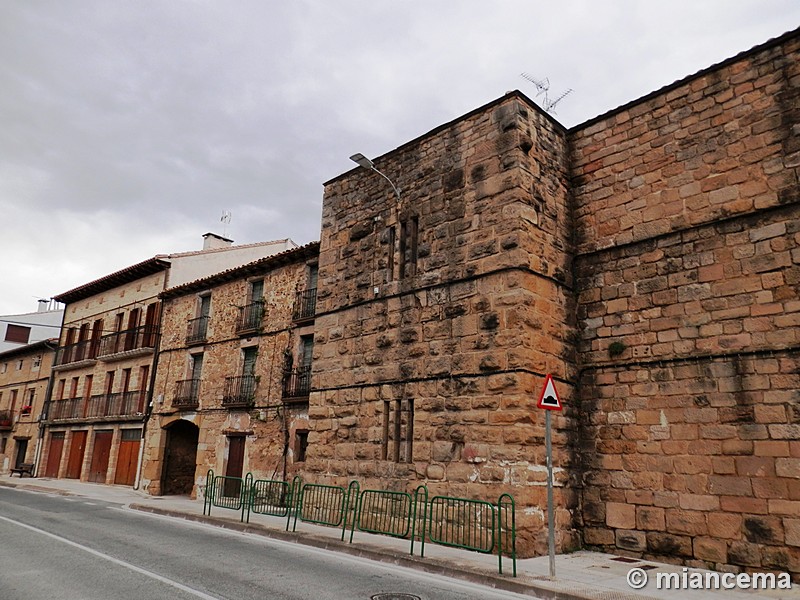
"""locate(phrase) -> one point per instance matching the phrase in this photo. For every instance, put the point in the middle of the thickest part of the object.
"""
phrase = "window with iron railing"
(72, 353)
(297, 383)
(187, 393)
(250, 317)
(305, 305)
(197, 330)
(120, 404)
(240, 391)
(144, 336)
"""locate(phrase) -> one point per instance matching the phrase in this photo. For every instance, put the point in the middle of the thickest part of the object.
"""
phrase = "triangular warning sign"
(549, 398)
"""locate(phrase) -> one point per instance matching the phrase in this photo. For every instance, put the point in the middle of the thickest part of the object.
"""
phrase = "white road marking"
(116, 561)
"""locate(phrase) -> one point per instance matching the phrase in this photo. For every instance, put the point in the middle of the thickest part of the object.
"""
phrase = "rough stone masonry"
(648, 259)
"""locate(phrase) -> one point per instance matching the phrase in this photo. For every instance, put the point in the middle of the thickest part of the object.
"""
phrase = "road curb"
(428, 565)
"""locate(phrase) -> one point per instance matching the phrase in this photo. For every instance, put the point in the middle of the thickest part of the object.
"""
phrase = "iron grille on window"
(250, 317)
(297, 383)
(197, 330)
(121, 404)
(187, 393)
(305, 304)
(240, 391)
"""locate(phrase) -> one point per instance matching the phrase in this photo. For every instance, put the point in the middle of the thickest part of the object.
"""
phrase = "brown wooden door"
(235, 465)
(102, 450)
(76, 449)
(54, 454)
(128, 457)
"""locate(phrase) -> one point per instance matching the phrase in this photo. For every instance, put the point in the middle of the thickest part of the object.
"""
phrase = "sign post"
(549, 401)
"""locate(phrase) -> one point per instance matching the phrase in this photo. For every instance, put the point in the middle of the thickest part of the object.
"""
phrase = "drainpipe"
(149, 408)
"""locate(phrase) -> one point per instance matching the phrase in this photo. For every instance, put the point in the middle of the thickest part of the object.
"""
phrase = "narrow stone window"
(397, 429)
(410, 430)
(385, 440)
(300, 446)
(390, 258)
(409, 230)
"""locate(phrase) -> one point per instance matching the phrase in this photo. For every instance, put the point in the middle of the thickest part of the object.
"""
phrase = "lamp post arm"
(394, 187)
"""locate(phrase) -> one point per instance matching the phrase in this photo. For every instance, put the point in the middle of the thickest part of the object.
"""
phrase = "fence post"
(297, 482)
(505, 503)
(247, 496)
(420, 489)
(353, 486)
(209, 491)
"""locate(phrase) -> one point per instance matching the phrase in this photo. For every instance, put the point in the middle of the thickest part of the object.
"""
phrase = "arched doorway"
(180, 458)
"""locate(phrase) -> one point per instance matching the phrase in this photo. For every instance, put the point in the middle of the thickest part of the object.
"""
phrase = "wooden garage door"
(54, 454)
(102, 450)
(128, 457)
(76, 450)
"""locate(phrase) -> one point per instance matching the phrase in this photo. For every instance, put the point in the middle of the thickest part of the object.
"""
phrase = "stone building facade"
(233, 378)
(648, 259)
(24, 377)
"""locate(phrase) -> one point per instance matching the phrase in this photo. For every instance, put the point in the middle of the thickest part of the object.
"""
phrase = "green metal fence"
(384, 512)
(475, 525)
(225, 492)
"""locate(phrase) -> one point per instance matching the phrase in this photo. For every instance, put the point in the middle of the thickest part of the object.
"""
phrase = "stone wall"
(688, 282)
(431, 375)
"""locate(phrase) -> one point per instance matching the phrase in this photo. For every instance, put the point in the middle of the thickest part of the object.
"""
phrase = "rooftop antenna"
(543, 86)
(225, 219)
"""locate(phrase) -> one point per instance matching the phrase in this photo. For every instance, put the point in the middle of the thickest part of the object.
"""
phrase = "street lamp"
(363, 161)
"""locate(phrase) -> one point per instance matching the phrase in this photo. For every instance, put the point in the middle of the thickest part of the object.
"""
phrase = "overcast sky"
(128, 127)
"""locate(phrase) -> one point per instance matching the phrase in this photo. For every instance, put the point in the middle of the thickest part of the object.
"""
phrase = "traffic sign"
(549, 399)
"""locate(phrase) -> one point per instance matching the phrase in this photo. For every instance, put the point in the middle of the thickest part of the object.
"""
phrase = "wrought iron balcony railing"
(6, 419)
(187, 393)
(250, 317)
(197, 331)
(145, 336)
(121, 404)
(74, 353)
(240, 391)
(305, 305)
(297, 383)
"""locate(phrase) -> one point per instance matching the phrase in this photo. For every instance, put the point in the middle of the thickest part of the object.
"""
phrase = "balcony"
(101, 406)
(250, 318)
(197, 330)
(75, 353)
(297, 384)
(6, 420)
(240, 392)
(305, 305)
(139, 338)
(187, 394)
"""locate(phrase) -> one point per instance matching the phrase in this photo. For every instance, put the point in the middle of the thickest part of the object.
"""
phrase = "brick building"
(24, 376)
(102, 373)
(649, 259)
(232, 393)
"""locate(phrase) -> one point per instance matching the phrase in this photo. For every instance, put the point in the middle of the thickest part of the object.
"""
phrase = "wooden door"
(128, 457)
(54, 454)
(235, 465)
(102, 450)
(76, 450)
(22, 450)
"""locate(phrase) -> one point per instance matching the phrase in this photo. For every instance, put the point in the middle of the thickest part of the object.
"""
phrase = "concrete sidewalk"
(579, 576)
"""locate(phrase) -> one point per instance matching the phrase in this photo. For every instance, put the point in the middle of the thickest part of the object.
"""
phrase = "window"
(3, 442)
(300, 446)
(196, 365)
(37, 363)
(398, 430)
(62, 383)
(390, 255)
(408, 247)
(18, 334)
(5, 368)
(20, 363)
(256, 290)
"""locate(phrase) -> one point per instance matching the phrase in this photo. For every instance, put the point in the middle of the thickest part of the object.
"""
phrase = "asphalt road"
(61, 548)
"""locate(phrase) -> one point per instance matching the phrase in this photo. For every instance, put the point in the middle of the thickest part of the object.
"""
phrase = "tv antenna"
(225, 219)
(543, 86)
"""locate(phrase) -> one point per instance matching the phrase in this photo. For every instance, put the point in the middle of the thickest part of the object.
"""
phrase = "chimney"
(43, 305)
(212, 241)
